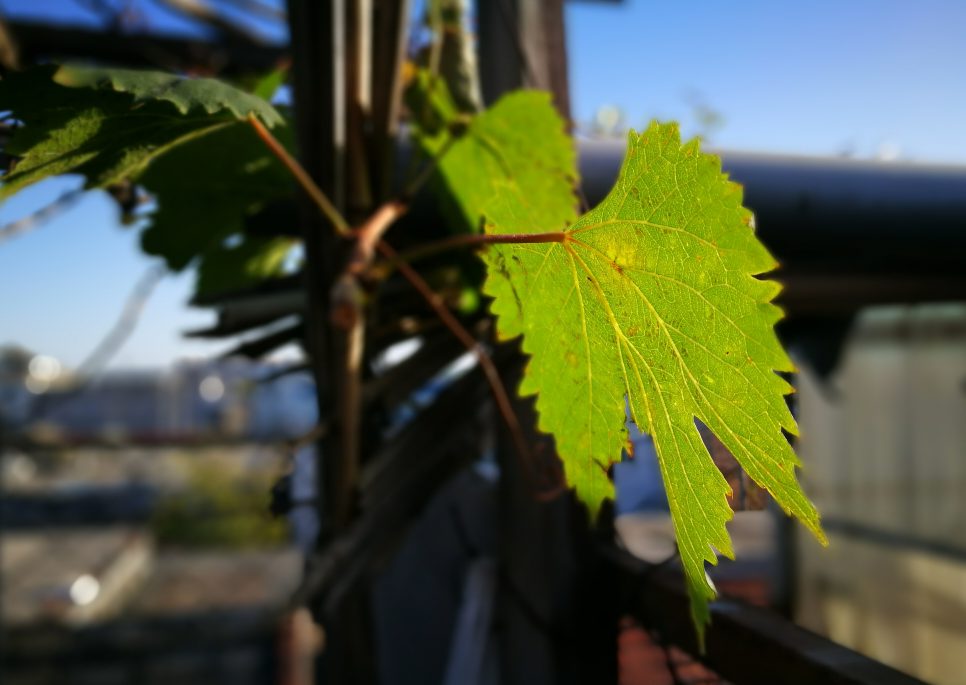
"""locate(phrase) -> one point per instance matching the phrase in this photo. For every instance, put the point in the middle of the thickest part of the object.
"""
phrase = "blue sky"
(815, 77)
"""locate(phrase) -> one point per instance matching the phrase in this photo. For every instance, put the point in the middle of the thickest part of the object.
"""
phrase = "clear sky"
(813, 77)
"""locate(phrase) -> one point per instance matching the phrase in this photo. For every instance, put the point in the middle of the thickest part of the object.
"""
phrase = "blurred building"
(103, 606)
(884, 446)
(234, 399)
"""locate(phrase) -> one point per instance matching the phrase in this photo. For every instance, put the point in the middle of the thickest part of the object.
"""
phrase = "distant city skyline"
(869, 79)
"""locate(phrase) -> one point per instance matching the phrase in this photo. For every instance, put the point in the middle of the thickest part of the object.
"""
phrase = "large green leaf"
(651, 302)
(105, 134)
(205, 188)
(520, 139)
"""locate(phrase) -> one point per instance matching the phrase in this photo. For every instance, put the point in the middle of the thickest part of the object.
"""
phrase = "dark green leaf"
(206, 187)
(267, 87)
(188, 95)
(229, 268)
(101, 134)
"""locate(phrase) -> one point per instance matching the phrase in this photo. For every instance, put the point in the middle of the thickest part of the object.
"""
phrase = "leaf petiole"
(430, 249)
(301, 175)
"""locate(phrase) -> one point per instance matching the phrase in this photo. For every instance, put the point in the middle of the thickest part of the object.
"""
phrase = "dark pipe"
(833, 212)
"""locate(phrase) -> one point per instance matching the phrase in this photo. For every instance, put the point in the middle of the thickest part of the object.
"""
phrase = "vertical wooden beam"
(335, 92)
(500, 60)
(319, 64)
(390, 25)
(314, 25)
(359, 201)
(523, 44)
(553, 74)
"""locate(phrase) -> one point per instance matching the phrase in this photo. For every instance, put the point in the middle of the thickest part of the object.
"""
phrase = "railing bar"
(889, 538)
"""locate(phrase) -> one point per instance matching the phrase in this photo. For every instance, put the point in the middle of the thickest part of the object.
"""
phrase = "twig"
(328, 209)
(347, 295)
(346, 312)
(492, 375)
(438, 246)
(420, 178)
(106, 349)
(126, 323)
(370, 233)
(29, 223)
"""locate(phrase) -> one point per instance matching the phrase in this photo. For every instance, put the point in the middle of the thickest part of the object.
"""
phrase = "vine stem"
(302, 176)
(438, 246)
(347, 295)
(420, 178)
(484, 360)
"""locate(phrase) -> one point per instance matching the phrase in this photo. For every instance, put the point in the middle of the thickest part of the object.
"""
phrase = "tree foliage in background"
(217, 508)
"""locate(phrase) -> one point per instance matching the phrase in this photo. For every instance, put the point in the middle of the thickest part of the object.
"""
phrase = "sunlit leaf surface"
(651, 302)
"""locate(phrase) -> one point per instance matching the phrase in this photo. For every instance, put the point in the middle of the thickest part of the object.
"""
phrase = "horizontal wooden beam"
(37, 41)
(746, 645)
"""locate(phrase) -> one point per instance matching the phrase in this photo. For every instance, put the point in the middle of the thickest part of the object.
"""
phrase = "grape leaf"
(520, 138)
(431, 106)
(105, 134)
(205, 188)
(254, 259)
(267, 86)
(651, 301)
(186, 94)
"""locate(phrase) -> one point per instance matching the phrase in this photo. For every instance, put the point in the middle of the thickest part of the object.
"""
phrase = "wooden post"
(346, 83)
(522, 43)
(317, 28)
(319, 60)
